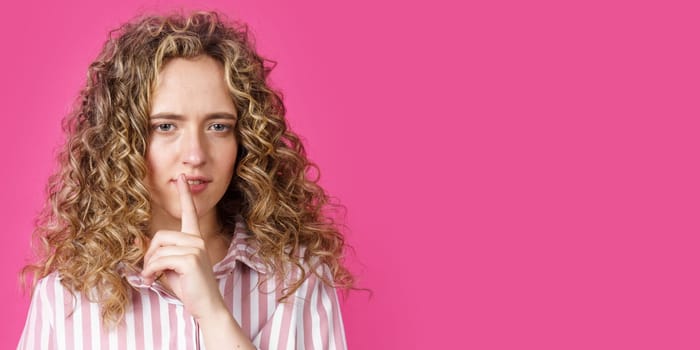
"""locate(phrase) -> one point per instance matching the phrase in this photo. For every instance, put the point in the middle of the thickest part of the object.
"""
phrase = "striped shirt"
(155, 319)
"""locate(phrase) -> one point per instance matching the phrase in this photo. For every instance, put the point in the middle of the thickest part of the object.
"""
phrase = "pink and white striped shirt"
(155, 319)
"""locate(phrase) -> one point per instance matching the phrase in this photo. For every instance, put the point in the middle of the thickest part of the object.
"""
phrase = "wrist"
(217, 314)
(221, 331)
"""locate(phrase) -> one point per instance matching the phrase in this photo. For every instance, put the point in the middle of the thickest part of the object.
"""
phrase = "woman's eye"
(164, 127)
(220, 127)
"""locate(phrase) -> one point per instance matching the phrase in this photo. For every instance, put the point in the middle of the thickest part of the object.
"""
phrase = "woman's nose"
(194, 152)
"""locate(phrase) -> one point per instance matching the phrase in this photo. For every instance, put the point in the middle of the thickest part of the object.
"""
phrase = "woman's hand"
(182, 257)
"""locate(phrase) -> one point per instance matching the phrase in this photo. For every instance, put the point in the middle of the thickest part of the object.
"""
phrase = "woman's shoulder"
(44, 294)
(51, 289)
(49, 283)
(302, 263)
(314, 271)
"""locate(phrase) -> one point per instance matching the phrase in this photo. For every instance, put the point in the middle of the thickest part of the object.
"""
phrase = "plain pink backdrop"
(518, 175)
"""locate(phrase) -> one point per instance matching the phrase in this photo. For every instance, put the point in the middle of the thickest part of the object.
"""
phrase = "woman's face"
(192, 122)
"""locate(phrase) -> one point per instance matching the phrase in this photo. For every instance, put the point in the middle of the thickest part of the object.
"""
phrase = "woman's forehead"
(192, 86)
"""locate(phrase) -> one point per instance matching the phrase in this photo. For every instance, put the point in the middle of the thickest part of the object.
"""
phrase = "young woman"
(183, 215)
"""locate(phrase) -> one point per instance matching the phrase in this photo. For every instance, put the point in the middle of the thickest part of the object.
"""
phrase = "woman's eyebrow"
(173, 116)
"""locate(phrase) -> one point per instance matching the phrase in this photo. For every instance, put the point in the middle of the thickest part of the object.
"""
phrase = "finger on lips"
(169, 249)
(189, 220)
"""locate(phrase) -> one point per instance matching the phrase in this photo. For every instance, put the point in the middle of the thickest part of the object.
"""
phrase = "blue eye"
(165, 127)
(221, 127)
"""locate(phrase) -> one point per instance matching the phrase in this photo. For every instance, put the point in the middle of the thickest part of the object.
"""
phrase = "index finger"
(189, 221)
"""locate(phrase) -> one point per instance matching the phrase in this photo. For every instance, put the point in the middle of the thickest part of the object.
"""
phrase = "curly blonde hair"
(98, 205)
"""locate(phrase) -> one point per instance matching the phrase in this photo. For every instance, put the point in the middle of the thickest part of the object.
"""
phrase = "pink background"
(518, 174)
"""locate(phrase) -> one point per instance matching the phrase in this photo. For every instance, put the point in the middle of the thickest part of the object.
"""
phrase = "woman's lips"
(196, 187)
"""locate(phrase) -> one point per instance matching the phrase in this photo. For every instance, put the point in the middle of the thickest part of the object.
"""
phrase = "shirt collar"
(240, 250)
